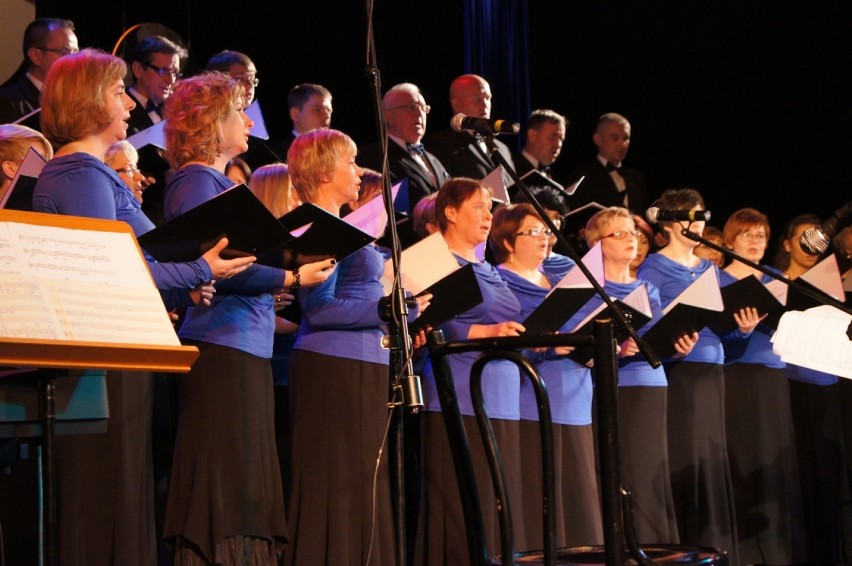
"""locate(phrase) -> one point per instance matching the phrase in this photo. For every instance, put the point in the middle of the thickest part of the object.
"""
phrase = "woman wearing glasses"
(761, 442)
(642, 394)
(698, 454)
(123, 158)
(520, 242)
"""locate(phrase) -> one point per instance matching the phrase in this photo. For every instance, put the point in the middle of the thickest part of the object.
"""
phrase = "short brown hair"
(452, 194)
(314, 156)
(504, 228)
(73, 100)
(193, 113)
(600, 222)
(742, 220)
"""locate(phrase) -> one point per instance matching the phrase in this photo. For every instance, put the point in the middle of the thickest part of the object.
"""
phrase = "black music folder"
(696, 307)
(748, 292)
(19, 194)
(319, 235)
(577, 219)
(236, 214)
(453, 295)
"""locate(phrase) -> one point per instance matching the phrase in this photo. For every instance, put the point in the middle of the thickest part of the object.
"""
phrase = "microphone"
(814, 241)
(484, 126)
(655, 215)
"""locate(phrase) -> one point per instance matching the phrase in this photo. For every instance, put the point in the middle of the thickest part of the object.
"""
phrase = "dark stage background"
(749, 102)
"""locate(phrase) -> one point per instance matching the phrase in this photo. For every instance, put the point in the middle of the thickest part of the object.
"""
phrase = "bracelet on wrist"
(297, 281)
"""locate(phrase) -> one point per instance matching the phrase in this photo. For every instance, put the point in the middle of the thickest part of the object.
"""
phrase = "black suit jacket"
(401, 164)
(522, 166)
(599, 187)
(18, 98)
(282, 146)
(461, 155)
(151, 162)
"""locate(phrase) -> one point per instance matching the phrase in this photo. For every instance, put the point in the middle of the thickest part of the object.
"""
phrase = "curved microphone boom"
(655, 215)
(815, 241)
(484, 126)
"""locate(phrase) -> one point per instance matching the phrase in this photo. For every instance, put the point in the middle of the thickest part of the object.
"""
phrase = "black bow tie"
(545, 169)
(151, 106)
(612, 167)
(416, 148)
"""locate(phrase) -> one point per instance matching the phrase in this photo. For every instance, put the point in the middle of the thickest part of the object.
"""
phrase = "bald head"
(471, 95)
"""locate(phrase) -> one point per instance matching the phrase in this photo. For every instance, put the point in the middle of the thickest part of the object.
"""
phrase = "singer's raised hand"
(684, 345)
(747, 319)
(224, 268)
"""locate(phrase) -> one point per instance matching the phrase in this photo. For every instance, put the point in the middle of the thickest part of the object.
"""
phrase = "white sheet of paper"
(815, 339)
(703, 292)
(371, 217)
(422, 264)
(576, 279)
(498, 185)
(259, 129)
(825, 276)
(149, 136)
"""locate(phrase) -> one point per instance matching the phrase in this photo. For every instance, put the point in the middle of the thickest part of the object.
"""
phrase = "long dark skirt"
(225, 481)
(577, 507)
(339, 420)
(698, 456)
(822, 467)
(106, 482)
(645, 462)
(762, 452)
(441, 537)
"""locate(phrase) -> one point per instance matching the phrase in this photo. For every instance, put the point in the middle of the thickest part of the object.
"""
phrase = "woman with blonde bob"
(271, 185)
(106, 481)
(225, 498)
(15, 142)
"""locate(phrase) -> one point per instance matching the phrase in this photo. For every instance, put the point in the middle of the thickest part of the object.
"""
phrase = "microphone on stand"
(655, 215)
(815, 241)
(483, 126)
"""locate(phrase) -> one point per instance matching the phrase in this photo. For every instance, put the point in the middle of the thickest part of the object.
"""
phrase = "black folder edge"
(236, 214)
(745, 293)
(682, 319)
(19, 194)
(577, 219)
(453, 295)
(328, 236)
(635, 317)
(557, 309)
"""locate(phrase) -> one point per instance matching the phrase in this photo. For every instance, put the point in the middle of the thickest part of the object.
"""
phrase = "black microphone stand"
(794, 283)
(615, 520)
(404, 384)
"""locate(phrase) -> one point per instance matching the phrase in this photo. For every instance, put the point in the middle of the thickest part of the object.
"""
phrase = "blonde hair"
(15, 141)
(271, 185)
(73, 100)
(598, 224)
(313, 159)
(193, 114)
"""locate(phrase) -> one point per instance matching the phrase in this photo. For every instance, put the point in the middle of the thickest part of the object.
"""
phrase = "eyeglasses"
(413, 107)
(163, 71)
(62, 52)
(623, 234)
(129, 170)
(557, 221)
(535, 232)
(248, 80)
(752, 236)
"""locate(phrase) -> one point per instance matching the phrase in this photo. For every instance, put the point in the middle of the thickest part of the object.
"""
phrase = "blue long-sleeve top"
(81, 185)
(500, 379)
(241, 313)
(672, 278)
(341, 316)
(756, 348)
(812, 376)
(569, 384)
(635, 370)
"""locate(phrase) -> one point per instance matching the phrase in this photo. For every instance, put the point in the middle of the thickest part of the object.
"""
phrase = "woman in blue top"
(463, 210)
(642, 394)
(339, 378)
(761, 443)
(698, 454)
(519, 241)
(225, 499)
(105, 480)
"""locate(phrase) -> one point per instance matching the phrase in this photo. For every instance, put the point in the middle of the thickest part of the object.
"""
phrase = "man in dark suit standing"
(155, 65)
(310, 108)
(608, 181)
(45, 41)
(545, 133)
(405, 112)
(465, 154)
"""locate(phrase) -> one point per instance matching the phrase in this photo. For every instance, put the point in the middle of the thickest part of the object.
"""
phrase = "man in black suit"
(155, 65)
(464, 154)
(405, 112)
(608, 181)
(310, 108)
(545, 133)
(45, 41)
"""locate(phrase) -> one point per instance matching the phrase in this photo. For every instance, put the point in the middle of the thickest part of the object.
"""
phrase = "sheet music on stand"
(815, 339)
